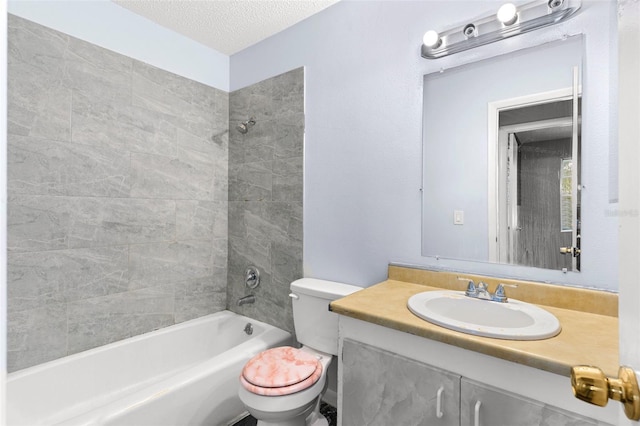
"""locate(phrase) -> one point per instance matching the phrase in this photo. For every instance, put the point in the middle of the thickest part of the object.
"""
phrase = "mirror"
(501, 159)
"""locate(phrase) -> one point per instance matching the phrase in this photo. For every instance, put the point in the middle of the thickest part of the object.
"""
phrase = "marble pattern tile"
(217, 144)
(198, 297)
(192, 116)
(41, 110)
(102, 320)
(214, 149)
(187, 176)
(117, 124)
(201, 220)
(251, 181)
(47, 167)
(246, 252)
(118, 189)
(39, 223)
(190, 91)
(254, 146)
(95, 71)
(37, 45)
(158, 264)
(286, 261)
(115, 221)
(288, 97)
(265, 195)
(38, 101)
(287, 140)
(36, 335)
(286, 185)
(36, 279)
(251, 101)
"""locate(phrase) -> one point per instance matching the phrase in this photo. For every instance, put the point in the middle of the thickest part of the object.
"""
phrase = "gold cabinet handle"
(589, 384)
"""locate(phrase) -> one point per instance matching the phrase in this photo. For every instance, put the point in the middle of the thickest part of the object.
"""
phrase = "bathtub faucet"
(246, 300)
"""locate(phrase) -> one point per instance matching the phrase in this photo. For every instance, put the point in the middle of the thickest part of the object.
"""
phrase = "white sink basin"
(513, 320)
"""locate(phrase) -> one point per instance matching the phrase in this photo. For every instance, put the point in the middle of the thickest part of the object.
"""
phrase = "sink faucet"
(481, 291)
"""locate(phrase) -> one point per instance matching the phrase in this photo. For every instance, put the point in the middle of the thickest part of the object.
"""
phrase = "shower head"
(245, 125)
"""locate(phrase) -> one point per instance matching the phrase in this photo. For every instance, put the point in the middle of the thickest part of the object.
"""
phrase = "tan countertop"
(586, 338)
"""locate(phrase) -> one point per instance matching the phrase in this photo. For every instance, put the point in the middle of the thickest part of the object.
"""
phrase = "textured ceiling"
(227, 26)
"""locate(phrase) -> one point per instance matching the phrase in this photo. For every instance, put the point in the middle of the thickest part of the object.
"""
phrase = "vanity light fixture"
(507, 14)
(431, 39)
(510, 20)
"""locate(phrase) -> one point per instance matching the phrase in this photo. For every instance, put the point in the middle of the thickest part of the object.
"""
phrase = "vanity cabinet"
(383, 388)
(482, 405)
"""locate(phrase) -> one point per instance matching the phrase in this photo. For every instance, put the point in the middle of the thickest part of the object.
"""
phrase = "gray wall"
(265, 194)
(117, 212)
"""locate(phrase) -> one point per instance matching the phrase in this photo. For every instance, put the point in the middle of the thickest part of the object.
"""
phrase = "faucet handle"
(500, 295)
(471, 289)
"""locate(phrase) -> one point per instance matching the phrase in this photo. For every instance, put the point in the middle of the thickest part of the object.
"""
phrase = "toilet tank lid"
(329, 290)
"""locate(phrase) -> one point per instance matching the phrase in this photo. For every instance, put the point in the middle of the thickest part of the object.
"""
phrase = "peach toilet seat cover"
(280, 371)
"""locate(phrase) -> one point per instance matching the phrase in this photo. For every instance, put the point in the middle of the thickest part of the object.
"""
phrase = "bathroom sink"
(513, 320)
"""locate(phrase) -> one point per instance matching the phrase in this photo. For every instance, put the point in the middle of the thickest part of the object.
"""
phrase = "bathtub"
(186, 374)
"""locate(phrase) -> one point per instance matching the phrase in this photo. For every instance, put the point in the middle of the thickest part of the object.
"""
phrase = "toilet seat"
(280, 371)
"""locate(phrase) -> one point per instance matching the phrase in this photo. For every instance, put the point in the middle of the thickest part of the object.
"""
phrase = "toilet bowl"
(284, 386)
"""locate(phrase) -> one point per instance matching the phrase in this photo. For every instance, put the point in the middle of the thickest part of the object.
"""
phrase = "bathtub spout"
(246, 300)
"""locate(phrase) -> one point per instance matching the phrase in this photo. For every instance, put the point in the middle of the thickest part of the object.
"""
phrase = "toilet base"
(317, 422)
(315, 418)
(306, 418)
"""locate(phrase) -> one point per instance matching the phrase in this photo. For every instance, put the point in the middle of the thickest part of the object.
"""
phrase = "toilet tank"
(316, 326)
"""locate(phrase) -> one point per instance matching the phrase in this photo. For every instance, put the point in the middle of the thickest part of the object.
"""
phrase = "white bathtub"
(186, 374)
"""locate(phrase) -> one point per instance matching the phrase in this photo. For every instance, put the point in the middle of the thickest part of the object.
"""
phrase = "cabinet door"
(482, 405)
(382, 388)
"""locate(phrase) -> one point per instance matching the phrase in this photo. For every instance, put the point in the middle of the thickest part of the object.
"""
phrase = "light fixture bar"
(529, 17)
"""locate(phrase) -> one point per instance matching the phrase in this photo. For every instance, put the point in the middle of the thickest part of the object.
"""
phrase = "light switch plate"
(458, 217)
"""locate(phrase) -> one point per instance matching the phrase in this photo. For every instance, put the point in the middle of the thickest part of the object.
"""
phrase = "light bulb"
(507, 14)
(431, 39)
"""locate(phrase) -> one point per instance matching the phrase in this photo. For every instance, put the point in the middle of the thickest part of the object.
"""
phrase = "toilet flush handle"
(294, 296)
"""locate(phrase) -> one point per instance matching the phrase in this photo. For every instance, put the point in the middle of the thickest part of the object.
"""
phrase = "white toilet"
(283, 386)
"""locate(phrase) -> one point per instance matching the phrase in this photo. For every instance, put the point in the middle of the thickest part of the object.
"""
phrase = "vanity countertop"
(589, 333)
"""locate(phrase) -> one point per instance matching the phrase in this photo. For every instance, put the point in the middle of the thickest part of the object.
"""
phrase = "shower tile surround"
(119, 181)
(265, 195)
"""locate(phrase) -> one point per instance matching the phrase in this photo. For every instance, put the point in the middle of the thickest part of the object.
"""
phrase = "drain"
(248, 329)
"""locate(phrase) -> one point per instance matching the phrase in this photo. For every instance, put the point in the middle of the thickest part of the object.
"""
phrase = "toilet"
(283, 386)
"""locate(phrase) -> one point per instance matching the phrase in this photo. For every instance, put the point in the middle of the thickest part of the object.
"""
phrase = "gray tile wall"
(118, 180)
(265, 195)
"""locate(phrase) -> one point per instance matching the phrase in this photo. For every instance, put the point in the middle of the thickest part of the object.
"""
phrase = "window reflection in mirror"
(500, 165)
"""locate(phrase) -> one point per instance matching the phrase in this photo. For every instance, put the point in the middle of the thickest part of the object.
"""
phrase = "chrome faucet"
(481, 291)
